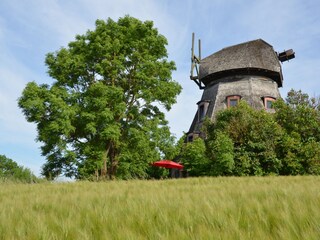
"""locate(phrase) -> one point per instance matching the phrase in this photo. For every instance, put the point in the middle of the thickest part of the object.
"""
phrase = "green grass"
(194, 208)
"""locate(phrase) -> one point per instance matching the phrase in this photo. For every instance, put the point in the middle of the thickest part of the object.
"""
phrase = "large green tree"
(101, 114)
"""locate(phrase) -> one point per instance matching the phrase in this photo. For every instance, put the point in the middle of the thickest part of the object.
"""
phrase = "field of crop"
(194, 208)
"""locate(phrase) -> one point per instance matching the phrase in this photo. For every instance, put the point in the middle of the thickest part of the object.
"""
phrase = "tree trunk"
(113, 163)
(104, 169)
(97, 174)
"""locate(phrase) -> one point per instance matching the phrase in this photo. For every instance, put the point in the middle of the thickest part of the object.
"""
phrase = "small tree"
(220, 151)
(101, 114)
(298, 98)
(10, 170)
(299, 116)
(193, 156)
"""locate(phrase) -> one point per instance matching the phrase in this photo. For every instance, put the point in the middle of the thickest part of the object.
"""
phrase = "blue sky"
(30, 29)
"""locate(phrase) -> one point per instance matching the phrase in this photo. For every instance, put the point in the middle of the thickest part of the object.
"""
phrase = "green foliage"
(299, 116)
(101, 114)
(298, 120)
(11, 171)
(243, 141)
(220, 151)
(193, 156)
(298, 98)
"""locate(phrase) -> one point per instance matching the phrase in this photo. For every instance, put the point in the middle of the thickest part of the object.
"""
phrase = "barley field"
(193, 208)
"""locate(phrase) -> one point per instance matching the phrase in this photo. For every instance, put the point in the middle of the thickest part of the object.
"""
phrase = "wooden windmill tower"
(250, 71)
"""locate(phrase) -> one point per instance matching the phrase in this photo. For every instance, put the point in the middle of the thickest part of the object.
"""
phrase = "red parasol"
(167, 164)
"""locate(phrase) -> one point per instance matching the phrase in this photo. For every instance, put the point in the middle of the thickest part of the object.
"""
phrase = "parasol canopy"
(167, 164)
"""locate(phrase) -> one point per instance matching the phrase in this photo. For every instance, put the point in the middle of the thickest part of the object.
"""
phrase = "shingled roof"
(254, 57)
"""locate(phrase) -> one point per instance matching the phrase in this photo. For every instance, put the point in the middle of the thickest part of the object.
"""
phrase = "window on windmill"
(201, 112)
(233, 101)
(202, 109)
(268, 102)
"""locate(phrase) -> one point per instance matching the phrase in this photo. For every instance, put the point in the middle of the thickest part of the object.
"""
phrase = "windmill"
(249, 71)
